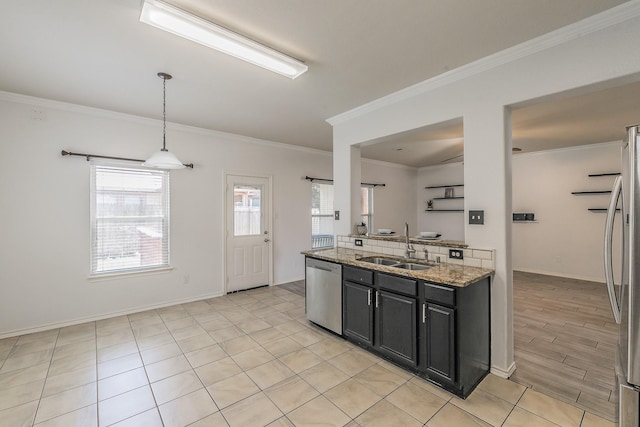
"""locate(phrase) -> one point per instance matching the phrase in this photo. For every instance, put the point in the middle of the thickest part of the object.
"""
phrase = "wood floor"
(296, 287)
(565, 338)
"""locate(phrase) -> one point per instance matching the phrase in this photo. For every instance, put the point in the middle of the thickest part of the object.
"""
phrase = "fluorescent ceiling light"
(176, 21)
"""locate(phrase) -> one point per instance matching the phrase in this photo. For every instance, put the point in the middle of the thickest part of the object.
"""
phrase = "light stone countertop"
(402, 239)
(444, 273)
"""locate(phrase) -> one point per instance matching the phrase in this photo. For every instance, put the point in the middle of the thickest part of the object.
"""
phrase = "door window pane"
(247, 218)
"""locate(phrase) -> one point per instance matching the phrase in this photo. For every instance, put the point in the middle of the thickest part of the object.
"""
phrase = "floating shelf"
(592, 175)
(582, 193)
(600, 210)
(527, 221)
(444, 210)
(447, 198)
(444, 186)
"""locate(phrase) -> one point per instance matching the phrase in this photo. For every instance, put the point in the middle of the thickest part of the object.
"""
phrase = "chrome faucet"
(410, 249)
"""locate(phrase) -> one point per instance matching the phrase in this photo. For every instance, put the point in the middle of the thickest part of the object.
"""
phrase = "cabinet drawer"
(357, 275)
(397, 284)
(440, 294)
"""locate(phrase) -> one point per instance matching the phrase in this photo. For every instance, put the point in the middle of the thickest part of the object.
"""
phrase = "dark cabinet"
(439, 339)
(396, 335)
(455, 335)
(441, 332)
(376, 314)
(357, 312)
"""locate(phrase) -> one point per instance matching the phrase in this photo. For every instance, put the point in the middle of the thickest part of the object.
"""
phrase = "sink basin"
(394, 263)
(379, 260)
(411, 266)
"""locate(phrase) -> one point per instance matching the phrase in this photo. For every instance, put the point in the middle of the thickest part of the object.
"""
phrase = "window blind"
(129, 219)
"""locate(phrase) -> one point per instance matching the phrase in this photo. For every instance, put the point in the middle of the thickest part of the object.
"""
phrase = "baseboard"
(558, 274)
(289, 281)
(504, 373)
(78, 321)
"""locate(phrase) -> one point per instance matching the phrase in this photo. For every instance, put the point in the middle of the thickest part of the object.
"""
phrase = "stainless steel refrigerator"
(624, 212)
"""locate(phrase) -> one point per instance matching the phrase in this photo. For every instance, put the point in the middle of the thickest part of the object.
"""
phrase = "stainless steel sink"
(390, 262)
(411, 266)
(379, 260)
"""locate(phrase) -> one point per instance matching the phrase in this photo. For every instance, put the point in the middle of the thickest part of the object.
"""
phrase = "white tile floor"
(247, 359)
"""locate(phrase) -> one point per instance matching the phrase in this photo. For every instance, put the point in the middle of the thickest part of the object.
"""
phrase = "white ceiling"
(600, 115)
(97, 53)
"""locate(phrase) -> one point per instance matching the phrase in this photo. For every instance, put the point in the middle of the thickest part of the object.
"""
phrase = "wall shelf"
(596, 192)
(585, 193)
(598, 210)
(448, 195)
(592, 175)
(443, 186)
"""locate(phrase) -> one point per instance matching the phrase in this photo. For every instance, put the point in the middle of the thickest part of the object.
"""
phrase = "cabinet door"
(440, 342)
(357, 312)
(396, 321)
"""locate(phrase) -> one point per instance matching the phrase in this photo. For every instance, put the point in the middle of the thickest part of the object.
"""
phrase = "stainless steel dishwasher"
(323, 288)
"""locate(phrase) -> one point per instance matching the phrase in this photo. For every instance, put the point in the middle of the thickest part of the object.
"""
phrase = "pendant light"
(163, 159)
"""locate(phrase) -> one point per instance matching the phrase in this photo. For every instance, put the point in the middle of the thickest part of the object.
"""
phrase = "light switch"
(476, 217)
(336, 215)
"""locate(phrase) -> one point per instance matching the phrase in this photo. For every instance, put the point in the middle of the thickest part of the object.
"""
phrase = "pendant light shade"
(163, 159)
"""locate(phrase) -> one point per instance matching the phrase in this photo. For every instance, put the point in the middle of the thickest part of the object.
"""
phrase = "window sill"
(125, 274)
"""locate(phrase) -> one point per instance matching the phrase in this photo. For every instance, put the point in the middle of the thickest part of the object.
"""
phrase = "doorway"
(248, 249)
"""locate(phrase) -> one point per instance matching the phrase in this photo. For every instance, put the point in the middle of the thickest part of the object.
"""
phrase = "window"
(129, 219)
(247, 214)
(366, 206)
(322, 213)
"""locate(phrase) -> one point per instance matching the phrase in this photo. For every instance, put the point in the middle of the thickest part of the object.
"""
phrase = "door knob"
(267, 240)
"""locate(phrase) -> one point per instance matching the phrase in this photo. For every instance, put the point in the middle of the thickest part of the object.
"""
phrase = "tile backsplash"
(473, 257)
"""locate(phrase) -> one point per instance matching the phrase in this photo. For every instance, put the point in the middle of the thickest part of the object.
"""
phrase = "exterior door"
(248, 218)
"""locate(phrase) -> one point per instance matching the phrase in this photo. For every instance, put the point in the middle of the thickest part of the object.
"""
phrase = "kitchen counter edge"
(443, 273)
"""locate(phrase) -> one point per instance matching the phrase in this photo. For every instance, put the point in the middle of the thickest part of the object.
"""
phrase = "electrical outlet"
(358, 242)
(476, 217)
(336, 215)
(456, 254)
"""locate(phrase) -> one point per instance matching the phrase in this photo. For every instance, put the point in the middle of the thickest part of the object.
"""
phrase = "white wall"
(44, 249)
(395, 203)
(573, 59)
(449, 224)
(567, 239)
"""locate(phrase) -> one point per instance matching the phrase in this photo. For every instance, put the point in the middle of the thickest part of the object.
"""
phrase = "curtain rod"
(308, 178)
(89, 156)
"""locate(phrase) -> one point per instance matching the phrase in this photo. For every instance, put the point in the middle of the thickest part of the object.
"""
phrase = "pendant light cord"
(164, 113)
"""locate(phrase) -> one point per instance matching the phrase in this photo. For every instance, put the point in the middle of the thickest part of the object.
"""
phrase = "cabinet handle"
(377, 298)
(369, 297)
(424, 312)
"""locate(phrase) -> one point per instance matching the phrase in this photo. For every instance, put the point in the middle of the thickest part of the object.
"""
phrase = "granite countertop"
(398, 238)
(445, 273)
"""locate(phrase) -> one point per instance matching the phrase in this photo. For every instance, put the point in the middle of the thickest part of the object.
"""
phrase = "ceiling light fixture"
(176, 21)
(163, 159)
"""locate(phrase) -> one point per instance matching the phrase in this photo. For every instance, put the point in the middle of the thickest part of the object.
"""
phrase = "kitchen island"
(433, 320)
(445, 273)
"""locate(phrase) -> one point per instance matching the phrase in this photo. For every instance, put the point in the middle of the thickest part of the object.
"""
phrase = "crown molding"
(17, 98)
(569, 149)
(592, 24)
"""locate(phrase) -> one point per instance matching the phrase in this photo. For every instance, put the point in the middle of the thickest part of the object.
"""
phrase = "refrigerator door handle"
(608, 247)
